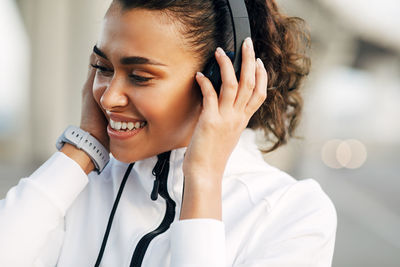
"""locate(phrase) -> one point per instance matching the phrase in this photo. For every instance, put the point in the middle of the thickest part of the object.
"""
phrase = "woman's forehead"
(144, 32)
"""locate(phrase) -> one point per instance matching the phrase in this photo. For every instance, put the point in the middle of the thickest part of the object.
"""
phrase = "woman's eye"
(139, 79)
(102, 69)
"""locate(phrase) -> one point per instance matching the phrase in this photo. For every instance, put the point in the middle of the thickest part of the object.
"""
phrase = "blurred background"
(350, 130)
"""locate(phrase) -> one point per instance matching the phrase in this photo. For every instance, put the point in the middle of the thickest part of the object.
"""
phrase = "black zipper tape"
(160, 172)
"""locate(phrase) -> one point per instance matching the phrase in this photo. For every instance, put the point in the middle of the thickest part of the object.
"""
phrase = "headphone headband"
(241, 28)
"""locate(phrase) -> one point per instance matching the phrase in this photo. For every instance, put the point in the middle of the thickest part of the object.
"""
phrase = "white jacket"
(58, 217)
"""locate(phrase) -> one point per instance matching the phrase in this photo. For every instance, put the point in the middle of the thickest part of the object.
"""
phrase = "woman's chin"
(132, 155)
(126, 156)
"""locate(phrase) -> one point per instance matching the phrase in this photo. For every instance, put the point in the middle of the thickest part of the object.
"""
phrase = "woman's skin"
(177, 115)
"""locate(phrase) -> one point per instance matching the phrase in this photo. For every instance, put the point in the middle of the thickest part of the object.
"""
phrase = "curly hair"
(281, 42)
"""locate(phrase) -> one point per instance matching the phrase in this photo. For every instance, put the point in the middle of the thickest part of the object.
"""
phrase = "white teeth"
(119, 125)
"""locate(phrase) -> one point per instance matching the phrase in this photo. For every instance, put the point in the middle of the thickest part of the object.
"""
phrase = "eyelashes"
(109, 72)
(100, 68)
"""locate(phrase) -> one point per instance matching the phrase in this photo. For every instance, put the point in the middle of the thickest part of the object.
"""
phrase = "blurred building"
(350, 126)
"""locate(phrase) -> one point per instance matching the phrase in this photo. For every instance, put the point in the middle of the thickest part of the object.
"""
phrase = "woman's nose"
(114, 95)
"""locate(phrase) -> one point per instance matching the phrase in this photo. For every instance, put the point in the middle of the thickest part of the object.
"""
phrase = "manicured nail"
(199, 74)
(220, 51)
(248, 42)
(260, 62)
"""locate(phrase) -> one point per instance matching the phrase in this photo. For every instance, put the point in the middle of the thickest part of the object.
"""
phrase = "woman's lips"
(123, 127)
(124, 134)
(119, 117)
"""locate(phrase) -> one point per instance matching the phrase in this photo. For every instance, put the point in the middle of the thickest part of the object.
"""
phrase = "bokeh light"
(350, 153)
(328, 154)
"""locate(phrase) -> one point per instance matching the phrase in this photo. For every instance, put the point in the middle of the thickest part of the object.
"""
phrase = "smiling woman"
(148, 81)
(186, 185)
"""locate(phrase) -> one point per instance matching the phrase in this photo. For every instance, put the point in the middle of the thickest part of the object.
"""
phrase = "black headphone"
(241, 30)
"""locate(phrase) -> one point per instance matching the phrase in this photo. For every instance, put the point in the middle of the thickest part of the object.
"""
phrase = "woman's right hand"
(93, 119)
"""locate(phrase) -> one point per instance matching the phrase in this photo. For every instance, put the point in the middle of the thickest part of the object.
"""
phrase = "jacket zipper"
(160, 171)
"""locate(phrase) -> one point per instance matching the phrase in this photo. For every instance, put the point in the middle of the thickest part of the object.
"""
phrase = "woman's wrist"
(79, 156)
(202, 199)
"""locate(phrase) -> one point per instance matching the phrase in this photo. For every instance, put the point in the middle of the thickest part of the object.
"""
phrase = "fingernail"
(199, 74)
(248, 42)
(260, 62)
(220, 51)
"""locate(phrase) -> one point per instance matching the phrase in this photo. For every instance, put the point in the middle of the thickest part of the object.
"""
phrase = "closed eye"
(102, 69)
(140, 80)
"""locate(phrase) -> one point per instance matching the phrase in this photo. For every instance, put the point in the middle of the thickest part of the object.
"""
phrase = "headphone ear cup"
(212, 72)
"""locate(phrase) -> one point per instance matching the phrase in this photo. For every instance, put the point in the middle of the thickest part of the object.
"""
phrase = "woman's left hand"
(220, 125)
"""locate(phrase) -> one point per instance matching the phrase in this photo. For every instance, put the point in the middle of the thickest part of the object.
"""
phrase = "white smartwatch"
(83, 140)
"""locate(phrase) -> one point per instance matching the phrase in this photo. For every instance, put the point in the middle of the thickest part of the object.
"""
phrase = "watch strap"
(86, 142)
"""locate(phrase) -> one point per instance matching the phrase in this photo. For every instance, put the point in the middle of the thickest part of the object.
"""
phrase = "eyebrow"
(135, 60)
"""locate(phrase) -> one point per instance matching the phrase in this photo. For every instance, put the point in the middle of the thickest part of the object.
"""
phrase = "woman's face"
(145, 83)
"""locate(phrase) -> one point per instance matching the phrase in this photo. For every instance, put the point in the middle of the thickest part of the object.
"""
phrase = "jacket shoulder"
(276, 187)
(297, 220)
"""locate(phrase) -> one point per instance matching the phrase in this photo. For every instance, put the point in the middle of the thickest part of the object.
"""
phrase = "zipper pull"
(157, 171)
(154, 192)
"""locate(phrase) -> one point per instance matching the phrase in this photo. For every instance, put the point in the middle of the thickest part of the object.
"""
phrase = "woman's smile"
(121, 127)
(123, 133)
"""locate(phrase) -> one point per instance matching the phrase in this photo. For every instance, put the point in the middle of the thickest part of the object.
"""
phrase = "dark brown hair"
(280, 41)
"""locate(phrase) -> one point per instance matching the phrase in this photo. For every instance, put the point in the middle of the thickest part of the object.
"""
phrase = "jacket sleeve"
(32, 214)
(298, 230)
(198, 242)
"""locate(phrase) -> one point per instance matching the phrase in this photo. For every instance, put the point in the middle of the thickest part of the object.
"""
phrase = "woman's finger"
(210, 98)
(229, 81)
(260, 92)
(247, 74)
